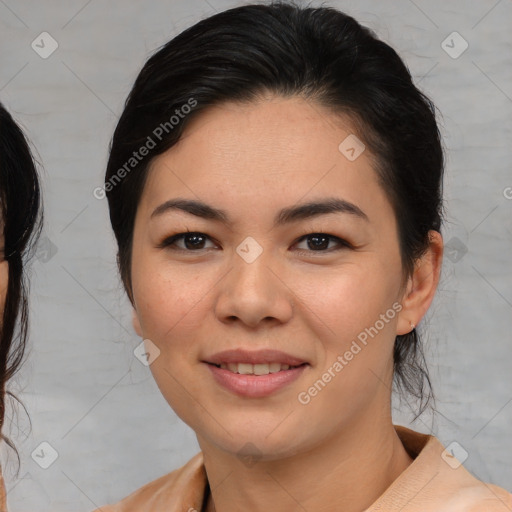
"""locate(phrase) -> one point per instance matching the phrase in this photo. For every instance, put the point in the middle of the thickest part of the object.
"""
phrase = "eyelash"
(343, 244)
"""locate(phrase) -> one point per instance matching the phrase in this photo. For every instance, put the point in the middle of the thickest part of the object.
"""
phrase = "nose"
(254, 293)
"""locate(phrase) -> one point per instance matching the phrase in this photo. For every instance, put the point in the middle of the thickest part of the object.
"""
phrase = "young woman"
(20, 223)
(275, 189)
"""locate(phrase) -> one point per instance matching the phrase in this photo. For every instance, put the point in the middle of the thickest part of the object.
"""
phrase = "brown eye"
(319, 242)
(189, 241)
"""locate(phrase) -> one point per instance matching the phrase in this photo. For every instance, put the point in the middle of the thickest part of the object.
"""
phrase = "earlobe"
(136, 323)
(422, 285)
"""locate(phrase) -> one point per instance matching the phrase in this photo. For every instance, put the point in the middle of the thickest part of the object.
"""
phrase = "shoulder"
(182, 487)
(479, 497)
(3, 506)
(460, 490)
(437, 482)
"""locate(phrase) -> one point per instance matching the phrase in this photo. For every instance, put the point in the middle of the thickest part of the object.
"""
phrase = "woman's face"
(254, 281)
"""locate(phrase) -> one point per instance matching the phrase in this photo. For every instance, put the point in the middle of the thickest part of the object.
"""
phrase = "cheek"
(171, 306)
(351, 312)
(169, 302)
(348, 299)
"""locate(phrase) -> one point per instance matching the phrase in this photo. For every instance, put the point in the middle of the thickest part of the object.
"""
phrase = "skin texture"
(340, 451)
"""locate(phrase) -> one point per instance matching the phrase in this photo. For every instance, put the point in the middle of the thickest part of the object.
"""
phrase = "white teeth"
(245, 369)
(261, 369)
(254, 369)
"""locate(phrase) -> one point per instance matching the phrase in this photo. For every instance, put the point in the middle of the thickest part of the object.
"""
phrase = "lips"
(255, 386)
(255, 374)
(256, 358)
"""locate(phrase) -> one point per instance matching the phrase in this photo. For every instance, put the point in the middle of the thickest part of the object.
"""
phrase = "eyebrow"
(284, 216)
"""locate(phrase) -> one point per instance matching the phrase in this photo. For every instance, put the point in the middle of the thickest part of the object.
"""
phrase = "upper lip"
(265, 356)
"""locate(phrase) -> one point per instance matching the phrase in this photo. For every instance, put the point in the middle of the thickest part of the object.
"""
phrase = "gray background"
(86, 393)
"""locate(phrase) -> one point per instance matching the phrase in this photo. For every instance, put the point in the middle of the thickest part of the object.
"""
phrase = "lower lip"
(255, 386)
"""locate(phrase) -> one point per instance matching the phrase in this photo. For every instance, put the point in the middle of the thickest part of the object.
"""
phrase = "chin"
(254, 440)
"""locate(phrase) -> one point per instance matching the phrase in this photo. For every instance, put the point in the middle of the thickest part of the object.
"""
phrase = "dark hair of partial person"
(319, 54)
(21, 217)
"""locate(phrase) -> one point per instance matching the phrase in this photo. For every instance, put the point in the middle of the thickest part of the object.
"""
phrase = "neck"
(348, 471)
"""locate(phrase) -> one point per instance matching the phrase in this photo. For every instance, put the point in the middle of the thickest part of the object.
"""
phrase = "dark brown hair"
(21, 215)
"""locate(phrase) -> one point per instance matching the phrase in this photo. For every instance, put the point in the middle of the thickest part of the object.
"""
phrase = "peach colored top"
(3, 506)
(432, 483)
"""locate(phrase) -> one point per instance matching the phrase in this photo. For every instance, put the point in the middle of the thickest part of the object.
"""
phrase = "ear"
(136, 323)
(422, 285)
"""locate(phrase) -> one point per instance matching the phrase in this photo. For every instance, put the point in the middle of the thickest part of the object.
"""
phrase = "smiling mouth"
(256, 369)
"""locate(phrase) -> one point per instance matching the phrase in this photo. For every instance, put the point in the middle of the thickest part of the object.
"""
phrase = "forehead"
(270, 135)
(273, 151)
